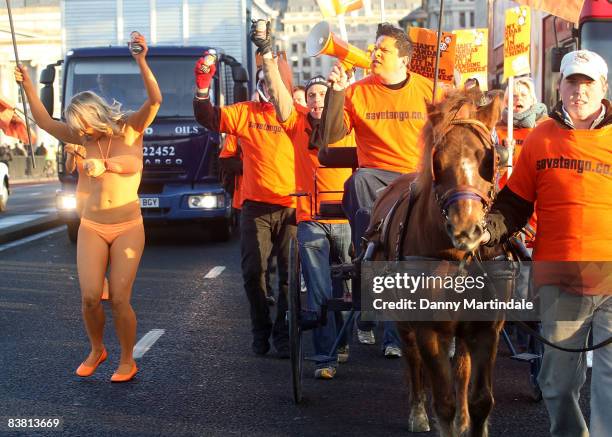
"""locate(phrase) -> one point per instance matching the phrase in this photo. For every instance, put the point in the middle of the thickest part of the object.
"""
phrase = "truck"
(181, 182)
(181, 179)
(561, 37)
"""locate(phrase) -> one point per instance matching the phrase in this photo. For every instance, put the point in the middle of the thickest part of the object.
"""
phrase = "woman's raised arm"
(58, 129)
(142, 118)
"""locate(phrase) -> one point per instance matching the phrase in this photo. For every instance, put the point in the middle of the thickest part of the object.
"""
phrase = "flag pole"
(21, 90)
(510, 125)
(435, 86)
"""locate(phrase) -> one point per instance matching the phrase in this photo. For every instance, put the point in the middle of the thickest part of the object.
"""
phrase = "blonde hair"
(527, 83)
(87, 109)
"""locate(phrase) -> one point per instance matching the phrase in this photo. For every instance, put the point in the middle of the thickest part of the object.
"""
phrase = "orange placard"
(423, 60)
(517, 37)
(471, 55)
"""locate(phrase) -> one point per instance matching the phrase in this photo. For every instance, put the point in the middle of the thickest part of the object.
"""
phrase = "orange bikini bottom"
(110, 231)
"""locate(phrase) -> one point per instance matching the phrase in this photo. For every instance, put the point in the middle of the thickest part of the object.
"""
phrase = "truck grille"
(150, 188)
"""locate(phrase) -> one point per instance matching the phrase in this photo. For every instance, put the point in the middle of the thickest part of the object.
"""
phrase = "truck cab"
(180, 181)
(561, 37)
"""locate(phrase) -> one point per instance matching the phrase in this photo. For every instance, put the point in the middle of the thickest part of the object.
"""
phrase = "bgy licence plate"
(149, 202)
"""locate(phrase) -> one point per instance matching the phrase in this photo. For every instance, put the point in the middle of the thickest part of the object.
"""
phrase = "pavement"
(30, 209)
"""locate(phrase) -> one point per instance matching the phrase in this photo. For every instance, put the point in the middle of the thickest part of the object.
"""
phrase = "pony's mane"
(456, 105)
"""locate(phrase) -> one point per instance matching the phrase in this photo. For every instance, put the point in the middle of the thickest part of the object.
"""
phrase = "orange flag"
(12, 124)
(332, 8)
(567, 9)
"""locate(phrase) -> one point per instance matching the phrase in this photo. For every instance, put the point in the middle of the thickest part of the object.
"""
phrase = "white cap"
(584, 62)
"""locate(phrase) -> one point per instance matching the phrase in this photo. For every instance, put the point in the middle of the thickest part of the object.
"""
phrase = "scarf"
(527, 118)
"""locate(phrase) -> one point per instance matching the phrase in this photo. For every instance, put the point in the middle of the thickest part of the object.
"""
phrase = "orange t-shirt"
(388, 123)
(230, 150)
(519, 136)
(267, 153)
(330, 181)
(569, 174)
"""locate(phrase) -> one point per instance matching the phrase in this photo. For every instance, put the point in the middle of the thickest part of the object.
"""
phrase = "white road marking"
(37, 193)
(145, 343)
(18, 219)
(34, 237)
(214, 272)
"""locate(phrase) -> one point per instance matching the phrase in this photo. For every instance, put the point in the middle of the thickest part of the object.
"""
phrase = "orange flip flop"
(124, 377)
(85, 370)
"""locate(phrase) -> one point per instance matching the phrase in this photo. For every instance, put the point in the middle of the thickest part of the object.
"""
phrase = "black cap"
(317, 80)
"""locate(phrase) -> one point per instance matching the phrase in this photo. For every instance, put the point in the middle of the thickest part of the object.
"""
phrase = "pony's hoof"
(418, 423)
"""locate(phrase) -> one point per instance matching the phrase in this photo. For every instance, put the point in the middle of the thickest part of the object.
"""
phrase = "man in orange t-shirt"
(387, 111)
(565, 169)
(322, 240)
(267, 219)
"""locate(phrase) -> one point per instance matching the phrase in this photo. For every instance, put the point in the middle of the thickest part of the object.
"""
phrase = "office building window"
(294, 48)
(471, 19)
(462, 20)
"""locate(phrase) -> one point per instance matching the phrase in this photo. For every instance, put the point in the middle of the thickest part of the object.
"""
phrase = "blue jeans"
(321, 245)
(360, 192)
(390, 335)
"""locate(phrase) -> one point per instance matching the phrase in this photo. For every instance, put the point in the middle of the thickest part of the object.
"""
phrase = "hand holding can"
(210, 58)
(134, 46)
(261, 29)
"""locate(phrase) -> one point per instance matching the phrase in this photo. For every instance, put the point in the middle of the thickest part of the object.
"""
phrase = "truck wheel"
(4, 195)
(73, 231)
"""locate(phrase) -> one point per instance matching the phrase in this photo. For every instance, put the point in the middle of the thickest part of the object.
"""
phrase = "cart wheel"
(537, 348)
(293, 319)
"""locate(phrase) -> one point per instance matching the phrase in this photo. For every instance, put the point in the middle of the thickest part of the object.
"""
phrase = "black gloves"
(264, 45)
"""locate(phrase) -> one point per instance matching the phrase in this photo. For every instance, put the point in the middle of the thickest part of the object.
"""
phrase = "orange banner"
(517, 38)
(423, 60)
(567, 9)
(471, 55)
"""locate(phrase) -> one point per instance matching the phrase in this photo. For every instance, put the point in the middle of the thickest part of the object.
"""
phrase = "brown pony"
(439, 213)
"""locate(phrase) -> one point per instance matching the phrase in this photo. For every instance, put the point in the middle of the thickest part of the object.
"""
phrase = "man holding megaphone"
(387, 111)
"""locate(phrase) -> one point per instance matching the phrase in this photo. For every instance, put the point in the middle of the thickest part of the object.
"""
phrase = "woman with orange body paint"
(105, 145)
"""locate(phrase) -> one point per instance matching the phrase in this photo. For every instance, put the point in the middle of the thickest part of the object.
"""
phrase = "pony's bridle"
(467, 191)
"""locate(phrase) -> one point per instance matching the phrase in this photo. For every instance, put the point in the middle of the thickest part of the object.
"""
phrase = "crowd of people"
(286, 137)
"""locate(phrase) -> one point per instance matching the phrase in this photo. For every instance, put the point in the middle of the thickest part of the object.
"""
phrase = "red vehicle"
(594, 32)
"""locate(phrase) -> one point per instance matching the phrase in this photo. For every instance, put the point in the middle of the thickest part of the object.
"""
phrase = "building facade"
(458, 14)
(38, 33)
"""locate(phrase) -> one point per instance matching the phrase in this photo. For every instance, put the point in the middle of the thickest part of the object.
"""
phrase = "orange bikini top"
(121, 164)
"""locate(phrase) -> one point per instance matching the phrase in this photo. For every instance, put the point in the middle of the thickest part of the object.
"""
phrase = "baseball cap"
(584, 62)
(317, 80)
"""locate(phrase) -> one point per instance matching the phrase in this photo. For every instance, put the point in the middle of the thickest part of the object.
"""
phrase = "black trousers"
(265, 227)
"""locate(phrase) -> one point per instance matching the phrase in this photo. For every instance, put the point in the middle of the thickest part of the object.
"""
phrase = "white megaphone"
(322, 41)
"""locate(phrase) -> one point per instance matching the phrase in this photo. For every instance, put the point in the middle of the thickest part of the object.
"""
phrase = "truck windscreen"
(119, 79)
(596, 36)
